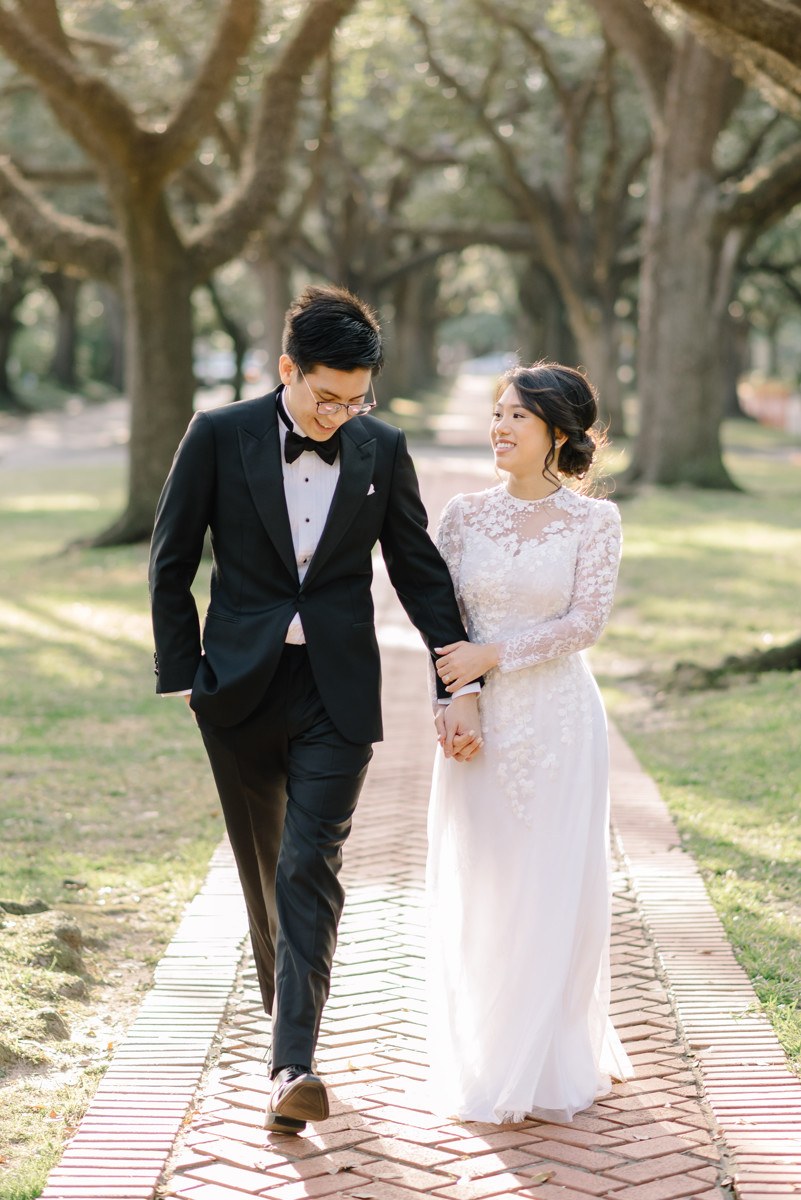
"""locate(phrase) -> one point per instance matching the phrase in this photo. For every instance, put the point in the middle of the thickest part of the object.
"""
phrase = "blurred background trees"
(607, 182)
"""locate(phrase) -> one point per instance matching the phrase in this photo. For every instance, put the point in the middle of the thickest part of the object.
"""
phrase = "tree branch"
(750, 152)
(503, 17)
(773, 24)
(51, 237)
(780, 272)
(605, 207)
(195, 114)
(43, 15)
(96, 116)
(638, 35)
(766, 194)
(268, 153)
(55, 176)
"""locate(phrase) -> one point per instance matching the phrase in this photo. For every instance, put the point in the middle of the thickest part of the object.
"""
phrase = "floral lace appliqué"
(537, 578)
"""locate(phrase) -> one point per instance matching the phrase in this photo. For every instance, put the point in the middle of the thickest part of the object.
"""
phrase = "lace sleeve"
(590, 605)
(448, 541)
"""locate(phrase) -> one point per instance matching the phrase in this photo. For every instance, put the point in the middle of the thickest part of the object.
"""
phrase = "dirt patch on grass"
(72, 979)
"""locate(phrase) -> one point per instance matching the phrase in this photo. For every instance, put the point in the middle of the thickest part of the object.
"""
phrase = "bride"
(517, 875)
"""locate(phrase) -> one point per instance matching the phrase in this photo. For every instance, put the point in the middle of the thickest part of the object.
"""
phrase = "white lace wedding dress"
(517, 876)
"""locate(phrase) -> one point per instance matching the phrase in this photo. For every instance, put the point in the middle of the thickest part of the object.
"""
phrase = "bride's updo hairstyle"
(566, 401)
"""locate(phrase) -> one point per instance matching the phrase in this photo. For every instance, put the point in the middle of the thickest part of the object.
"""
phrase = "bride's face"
(520, 439)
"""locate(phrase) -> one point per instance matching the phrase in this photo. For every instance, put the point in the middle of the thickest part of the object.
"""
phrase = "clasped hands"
(458, 723)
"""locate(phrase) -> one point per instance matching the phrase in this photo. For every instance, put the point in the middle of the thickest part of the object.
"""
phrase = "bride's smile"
(524, 446)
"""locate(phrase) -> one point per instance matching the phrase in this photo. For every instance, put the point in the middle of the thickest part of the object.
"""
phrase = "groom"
(296, 488)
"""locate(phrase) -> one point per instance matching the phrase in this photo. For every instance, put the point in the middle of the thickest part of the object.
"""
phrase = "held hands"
(462, 662)
(459, 728)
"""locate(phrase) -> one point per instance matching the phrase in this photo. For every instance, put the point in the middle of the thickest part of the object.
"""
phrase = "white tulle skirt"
(519, 912)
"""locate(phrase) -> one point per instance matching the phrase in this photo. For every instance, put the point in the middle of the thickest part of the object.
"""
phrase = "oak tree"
(137, 144)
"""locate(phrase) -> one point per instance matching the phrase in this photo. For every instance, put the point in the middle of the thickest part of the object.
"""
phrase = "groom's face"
(322, 386)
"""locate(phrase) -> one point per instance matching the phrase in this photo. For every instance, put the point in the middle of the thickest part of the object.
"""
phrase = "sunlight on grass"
(42, 503)
(706, 575)
(102, 782)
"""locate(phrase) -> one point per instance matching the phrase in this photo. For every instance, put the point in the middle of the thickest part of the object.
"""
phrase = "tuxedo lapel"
(261, 462)
(357, 459)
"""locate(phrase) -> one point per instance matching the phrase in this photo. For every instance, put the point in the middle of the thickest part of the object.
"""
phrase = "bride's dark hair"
(568, 404)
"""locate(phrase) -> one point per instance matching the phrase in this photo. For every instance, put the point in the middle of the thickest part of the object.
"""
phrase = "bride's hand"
(462, 662)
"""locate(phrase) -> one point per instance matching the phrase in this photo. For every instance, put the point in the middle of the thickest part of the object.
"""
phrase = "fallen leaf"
(543, 1177)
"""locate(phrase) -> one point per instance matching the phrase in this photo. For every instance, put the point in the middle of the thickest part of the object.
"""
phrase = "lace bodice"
(536, 577)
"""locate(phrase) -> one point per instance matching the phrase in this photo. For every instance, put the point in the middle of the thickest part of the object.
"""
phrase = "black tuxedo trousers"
(288, 784)
(288, 730)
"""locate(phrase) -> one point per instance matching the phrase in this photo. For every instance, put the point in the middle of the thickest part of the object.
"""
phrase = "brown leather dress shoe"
(298, 1096)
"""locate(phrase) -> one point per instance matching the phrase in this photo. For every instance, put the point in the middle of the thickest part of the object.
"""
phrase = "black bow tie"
(294, 445)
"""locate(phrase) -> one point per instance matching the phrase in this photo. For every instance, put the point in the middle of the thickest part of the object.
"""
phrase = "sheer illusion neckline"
(530, 503)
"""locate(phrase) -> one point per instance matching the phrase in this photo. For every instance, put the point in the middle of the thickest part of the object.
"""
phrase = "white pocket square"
(371, 489)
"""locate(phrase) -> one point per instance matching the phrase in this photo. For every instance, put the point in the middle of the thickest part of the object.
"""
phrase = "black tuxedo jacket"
(227, 477)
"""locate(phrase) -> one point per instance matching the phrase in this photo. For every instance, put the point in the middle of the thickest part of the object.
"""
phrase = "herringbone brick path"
(654, 1138)
(649, 1140)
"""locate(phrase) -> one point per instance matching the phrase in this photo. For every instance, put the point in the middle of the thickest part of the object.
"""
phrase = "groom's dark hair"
(330, 327)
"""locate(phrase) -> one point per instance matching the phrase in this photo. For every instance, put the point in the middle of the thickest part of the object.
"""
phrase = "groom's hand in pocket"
(459, 728)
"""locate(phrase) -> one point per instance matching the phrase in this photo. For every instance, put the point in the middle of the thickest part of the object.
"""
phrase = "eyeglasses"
(327, 408)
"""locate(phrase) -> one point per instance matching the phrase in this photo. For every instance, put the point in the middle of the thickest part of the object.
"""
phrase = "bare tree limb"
(574, 102)
(751, 151)
(773, 24)
(605, 207)
(89, 108)
(54, 176)
(780, 271)
(537, 47)
(638, 35)
(195, 114)
(766, 194)
(43, 15)
(51, 237)
(266, 157)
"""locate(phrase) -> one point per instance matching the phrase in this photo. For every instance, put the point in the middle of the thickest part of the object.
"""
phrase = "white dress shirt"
(309, 485)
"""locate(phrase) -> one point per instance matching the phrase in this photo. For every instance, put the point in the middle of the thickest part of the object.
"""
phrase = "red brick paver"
(705, 1065)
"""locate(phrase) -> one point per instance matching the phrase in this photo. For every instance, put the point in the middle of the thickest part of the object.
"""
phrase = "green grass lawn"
(706, 574)
(102, 783)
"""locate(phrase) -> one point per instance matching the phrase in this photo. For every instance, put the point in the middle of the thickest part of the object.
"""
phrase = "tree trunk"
(593, 344)
(159, 380)
(8, 398)
(411, 337)
(273, 275)
(113, 370)
(64, 289)
(685, 285)
(546, 332)
(14, 285)
(735, 347)
(599, 355)
(236, 333)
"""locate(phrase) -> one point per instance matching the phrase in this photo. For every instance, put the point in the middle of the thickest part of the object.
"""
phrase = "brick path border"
(127, 1134)
(755, 1098)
